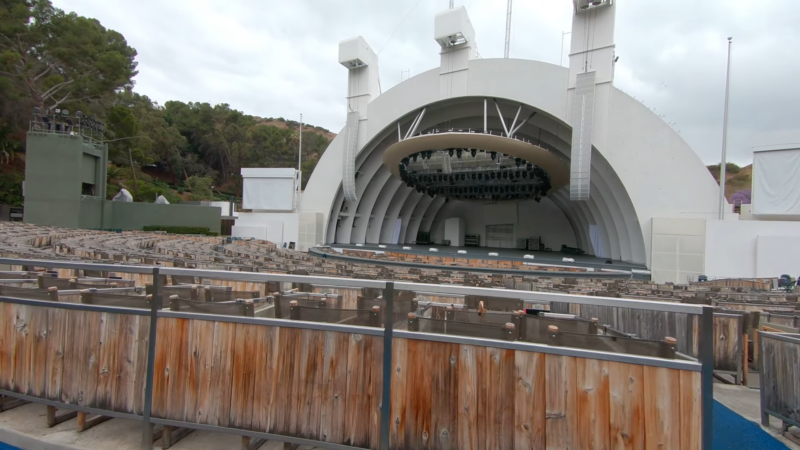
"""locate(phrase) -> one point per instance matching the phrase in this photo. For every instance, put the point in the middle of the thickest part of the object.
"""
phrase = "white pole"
(300, 155)
(563, 33)
(722, 166)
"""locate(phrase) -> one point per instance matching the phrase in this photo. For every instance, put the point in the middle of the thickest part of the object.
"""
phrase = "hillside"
(736, 178)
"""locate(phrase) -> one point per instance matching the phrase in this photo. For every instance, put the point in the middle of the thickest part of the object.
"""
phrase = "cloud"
(279, 58)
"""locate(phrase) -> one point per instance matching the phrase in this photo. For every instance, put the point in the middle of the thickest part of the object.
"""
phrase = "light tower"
(591, 75)
(508, 30)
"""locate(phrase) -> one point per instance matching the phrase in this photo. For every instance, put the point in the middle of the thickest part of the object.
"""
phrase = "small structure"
(270, 210)
(65, 181)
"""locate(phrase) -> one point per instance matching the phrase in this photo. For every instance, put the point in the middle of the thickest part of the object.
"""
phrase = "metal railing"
(704, 363)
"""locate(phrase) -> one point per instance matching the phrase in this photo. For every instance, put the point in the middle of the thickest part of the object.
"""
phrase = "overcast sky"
(279, 58)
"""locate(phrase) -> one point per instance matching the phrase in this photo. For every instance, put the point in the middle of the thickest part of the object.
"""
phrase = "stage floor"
(505, 254)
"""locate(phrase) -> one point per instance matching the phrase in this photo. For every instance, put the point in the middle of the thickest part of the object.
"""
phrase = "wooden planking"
(37, 372)
(23, 346)
(124, 393)
(289, 345)
(727, 341)
(107, 361)
(593, 404)
(691, 410)
(356, 425)
(266, 380)
(219, 388)
(397, 408)
(529, 401)
(56, 344)
(444, 405)
(201, 345)
(176, 370)
(245, 360)
(140, 377)
(310, 383)
(626, 406)
(498, 378)
(72, 348)
(417, 395)
(164, 343)
(561, 406)
(334, 387)
(374, 363)
(467, 396)
(87, 369)
(779, 382)
(662, 408)
(6, 348)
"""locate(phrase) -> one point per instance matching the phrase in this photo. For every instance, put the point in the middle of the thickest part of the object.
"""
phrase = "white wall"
(750, 248)
(530, 219)
(280, 227)
(454, 229)
(678, 249)
(776, 255)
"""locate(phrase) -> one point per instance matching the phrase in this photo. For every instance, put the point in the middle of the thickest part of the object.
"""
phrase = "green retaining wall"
(99, 213)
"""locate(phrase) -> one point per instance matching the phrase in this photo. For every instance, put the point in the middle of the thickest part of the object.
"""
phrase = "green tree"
(61, 57)
(201, 187)
(124, 130)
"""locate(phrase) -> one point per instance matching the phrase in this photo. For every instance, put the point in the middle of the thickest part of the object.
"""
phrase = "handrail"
(704, 365)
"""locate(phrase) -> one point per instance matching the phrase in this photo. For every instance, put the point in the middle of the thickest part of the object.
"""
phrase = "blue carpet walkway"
(731, 432)
(734, 432)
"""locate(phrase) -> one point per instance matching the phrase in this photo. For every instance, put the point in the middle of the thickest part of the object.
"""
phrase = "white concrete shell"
(642, 170)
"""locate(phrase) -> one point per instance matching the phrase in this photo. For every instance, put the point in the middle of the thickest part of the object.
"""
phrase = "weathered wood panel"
(305, 383)
(593, 404)
(662, 408)
(76, 357)
(728, 336)
(561, 404)
(626, 406)
(525, 400)
(780, 385)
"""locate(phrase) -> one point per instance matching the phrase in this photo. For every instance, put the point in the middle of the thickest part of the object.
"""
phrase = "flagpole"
(722, 166)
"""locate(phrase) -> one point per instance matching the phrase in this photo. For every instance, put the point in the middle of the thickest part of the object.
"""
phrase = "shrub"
(180, 230)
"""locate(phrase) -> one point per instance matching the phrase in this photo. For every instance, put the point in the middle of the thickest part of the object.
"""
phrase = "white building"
(508, 149)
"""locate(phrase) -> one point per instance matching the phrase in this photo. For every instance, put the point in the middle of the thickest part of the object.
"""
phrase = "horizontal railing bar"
(781, 417)
(264, 277)
(69, 407)
(19, 281)
(553, 350)
(283, 323)
(531, 296)
(76, 306)
(786, 337)
(255, 434)
(67, 264)
(553, 297)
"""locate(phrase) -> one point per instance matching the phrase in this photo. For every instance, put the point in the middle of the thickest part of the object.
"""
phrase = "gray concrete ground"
(747, 403)
(25, 427)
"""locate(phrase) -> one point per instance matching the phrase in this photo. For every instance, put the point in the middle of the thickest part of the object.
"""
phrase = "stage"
(593, 264)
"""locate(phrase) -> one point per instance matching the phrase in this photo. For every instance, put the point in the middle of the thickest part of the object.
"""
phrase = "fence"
(343, 386)
(780, 386)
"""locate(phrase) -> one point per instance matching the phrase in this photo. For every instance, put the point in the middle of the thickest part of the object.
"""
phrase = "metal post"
(485, 114)
(563, 33)
(300, 155)
(147, 427)
(386, 397)
(762, 392)
(706, 357)
(722, 165)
